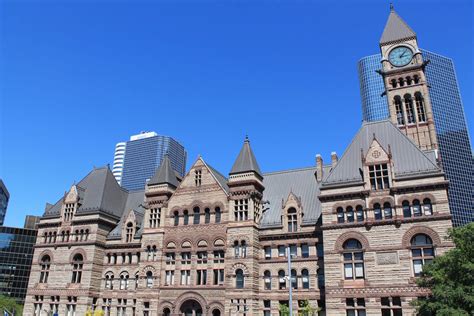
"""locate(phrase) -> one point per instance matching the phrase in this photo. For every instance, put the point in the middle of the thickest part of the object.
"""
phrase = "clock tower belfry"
(405, 83)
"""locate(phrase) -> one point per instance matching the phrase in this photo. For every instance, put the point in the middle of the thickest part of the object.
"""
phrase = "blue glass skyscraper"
(450, 123)
(4, 197)
(143, 155)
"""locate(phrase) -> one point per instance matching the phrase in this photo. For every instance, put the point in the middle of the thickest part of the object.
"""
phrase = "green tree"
(307, 310)
(450, 278)
(284, 310)
(10, 305)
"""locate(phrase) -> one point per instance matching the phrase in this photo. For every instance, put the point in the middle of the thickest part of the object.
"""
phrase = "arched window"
(207, 216)
(399, 110)
(149, 279)
(387, 210)
(176, 218)
(45, 265)
(166, 312)
(420, 107)
(401, 82)
(416, 208)
(197, 216)
(409, 109)
(86, 236)
(292, 220)
(394, 83)
(216, 312)
(350, 214)
(185, 218)
(377, 211)
(77, 264)
(340, 215)
(427, 207)
(239, 279)
(82, 234)
(305, 278)
(267, 279)
(148, 253)
(416, 79)
(360, 213)
(406, 209)
(281, 280)
(137, 278)
(129, 232)
(109, 281)
(218, 215)
(294, 279)
(353, 260)
(422, 252)
(409, 80)
(124, 281)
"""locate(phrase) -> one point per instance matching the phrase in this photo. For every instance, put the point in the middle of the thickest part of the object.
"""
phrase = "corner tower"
(406, 88)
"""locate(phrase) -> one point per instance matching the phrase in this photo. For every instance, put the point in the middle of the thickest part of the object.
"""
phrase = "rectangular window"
(379, 179)
(391, 306)
(241, 210)
(202, 257)
(198, 177)
(293, 251)
(266, 308)
(170, 258)
(169, 277)
(355, 307)
(185, 258)
(219, 256)
(185, 277)
(201, 277)
(218, 276)
(305, 250)
(155, 217)
(281, 251)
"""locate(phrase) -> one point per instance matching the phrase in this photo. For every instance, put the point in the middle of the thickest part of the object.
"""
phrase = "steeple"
(396, 29)
(164, 174)
(246, 161)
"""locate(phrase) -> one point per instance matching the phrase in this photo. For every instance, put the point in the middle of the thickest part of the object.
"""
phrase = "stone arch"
(215, 305)
(240, 266)
(381, 201)
(239, 239)
(202, 243)
(166, 304)
(78, 251)
(218, 242)
(170, 244)
(186, 243)
(190, 296)
(351, 235)
(406, 239)
(44, 253)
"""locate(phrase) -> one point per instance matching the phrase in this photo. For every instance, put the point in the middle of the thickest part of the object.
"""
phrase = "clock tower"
(405, 83)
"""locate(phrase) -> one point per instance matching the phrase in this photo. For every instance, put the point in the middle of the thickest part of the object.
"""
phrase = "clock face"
(400, 56)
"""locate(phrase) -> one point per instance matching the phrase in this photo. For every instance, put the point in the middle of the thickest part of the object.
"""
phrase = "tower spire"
(396, 29)
(246, 160)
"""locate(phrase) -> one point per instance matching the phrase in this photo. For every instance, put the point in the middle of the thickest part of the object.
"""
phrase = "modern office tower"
(448, 115)
(31, 222)
(119, 156)
(143, 154)
(16, 256)
(4, 197)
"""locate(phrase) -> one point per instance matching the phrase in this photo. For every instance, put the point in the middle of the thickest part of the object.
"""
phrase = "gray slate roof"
(396, 29)
(98, 191)
(246, 160)
(165, 174)
(407, 158)
(134, 204)
(303, 184)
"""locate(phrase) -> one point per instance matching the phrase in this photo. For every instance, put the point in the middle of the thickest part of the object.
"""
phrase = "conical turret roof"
(164, 174)
(396, 29)
(246, 161)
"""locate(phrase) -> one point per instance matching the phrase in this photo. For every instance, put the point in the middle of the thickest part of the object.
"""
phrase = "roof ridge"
(289, 170)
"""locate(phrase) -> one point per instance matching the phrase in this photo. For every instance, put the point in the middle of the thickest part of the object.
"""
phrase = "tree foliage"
(10, 305)
(305, 309)
(450, 278)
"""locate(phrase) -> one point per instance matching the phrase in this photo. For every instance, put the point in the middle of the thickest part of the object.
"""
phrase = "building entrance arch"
(190, 308)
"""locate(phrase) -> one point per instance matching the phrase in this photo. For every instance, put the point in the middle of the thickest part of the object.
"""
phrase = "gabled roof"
(396, 29)
(408, 159)
(218, 176)
(302, 183)
(134, 204)
(165, 174)
(246, 160)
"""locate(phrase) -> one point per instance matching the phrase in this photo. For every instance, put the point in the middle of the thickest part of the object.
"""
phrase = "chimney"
(333, 159)
(319, 167)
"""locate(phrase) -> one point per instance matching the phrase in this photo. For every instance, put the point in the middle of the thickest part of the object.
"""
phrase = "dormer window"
(379, 179)
(198, 177)
(69, 211)
(292, 220)
(129, 232)
(241, 210)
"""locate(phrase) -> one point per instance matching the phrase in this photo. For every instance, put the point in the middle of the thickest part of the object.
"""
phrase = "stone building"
(358, 230)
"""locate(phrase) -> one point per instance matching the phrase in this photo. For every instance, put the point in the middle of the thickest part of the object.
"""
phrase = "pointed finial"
(391, 6)
(247, 138)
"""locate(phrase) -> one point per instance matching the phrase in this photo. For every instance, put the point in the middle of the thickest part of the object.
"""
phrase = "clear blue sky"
(78, 76)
